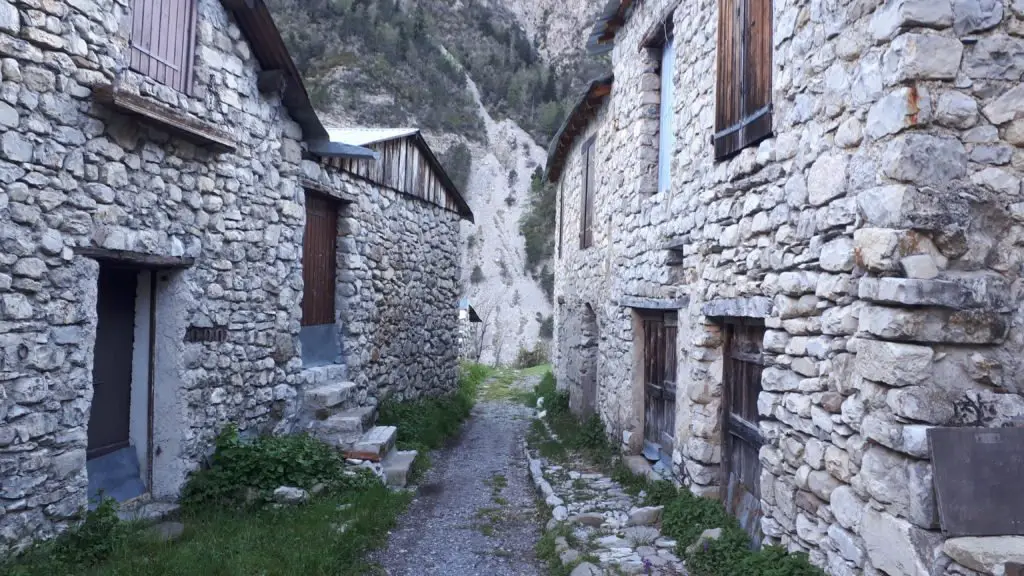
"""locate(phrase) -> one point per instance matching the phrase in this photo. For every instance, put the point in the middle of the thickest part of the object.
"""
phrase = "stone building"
(175, 223)
(789, 247)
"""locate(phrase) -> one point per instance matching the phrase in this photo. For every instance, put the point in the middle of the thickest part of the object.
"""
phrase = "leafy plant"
(240, 469)
(528, 358)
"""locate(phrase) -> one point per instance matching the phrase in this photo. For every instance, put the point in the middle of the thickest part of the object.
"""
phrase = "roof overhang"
(257, 24)
(612, 17)
(584, 110)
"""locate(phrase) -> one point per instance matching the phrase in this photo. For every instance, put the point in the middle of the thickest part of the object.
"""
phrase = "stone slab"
(329, 395)
(754, 307)
(977, 480)
(397, 466)
(374, 445)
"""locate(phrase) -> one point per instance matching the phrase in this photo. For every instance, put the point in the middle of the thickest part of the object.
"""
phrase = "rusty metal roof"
(585, 109)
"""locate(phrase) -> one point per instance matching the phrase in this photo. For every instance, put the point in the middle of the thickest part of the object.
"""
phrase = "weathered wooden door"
(319, 254)
(109, 415)
(659, 330)
(742, 439)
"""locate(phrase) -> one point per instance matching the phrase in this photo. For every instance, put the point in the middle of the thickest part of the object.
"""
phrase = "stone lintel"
(934, 325)
(181, 124)
(753, 307)
(987, 291)
(136, 258)
(654, 303)
(336, 193)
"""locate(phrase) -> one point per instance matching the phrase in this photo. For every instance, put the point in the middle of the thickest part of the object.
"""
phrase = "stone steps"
(344, 427)
(330, 395)
(374, 445)
(397, 466)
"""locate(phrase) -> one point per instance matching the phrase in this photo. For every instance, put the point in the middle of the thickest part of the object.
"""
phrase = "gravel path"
(475, 512)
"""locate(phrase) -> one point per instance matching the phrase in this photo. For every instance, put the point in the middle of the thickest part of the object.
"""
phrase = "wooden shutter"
(587, 210)
(319, 257)
(561, 216)
(163, 41)
(744, 84)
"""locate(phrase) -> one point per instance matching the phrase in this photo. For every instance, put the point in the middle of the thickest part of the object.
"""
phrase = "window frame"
(659, 43)
(744, 73)
(150, 39)
(587, 207)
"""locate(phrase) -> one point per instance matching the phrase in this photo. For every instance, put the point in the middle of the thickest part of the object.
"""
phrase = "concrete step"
(397, 466)
(330, 395)
(374, 445)
(354, 421)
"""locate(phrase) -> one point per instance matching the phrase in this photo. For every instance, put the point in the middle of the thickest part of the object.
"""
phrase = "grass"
(330, 535)
(301, 540)
(500, 385)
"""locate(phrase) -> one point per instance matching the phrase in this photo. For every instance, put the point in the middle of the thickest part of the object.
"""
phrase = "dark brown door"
(660, 381)
(742, 441)
(112, 361)
(319, 253)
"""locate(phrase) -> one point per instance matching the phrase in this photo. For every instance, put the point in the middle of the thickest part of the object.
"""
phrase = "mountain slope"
(488, 81)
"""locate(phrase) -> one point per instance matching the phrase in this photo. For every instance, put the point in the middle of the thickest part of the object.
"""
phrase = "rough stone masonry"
(85, 185)
(876, 236)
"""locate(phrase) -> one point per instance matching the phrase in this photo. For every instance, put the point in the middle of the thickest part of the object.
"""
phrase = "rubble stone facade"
(84, 185)
(875, 235)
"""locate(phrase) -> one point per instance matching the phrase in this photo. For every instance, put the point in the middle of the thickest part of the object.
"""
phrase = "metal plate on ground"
(978, 475)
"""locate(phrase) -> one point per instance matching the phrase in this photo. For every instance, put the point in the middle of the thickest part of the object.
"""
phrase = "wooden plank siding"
(319, 260)
(743, 111)
(163, 41)
(402, 167)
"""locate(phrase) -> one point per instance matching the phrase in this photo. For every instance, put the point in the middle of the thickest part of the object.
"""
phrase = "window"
(743, 108)
(587, 209)
(666, 125)
(163, 41)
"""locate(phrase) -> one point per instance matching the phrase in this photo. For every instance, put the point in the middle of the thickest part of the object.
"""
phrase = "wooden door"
(742, 439)
(659, 330)
(109, 415)
(319, 258)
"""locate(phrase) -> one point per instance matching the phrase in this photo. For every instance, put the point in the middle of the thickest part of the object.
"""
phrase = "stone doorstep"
(373, 445)
(329, 395)
(397, 466)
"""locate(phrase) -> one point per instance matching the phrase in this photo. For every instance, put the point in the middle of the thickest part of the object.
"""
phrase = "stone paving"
(610, 529)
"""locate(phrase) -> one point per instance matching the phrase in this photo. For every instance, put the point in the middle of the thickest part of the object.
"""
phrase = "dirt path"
(475, 511)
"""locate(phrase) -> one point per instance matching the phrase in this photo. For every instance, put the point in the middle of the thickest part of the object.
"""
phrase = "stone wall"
(398, 291)
(78, 175)
(880, 221)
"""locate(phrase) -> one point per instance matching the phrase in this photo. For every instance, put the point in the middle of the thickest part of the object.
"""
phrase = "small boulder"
(560, 513)
(705, 536)
(569, 556)
(586, 569)
(647, 516)
(589, 519)
(290, 495)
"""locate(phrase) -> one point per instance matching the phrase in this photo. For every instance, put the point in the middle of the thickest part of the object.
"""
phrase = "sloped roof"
(365, 136)
(257, 24)
(576, 121)
(612, 17)
(359, 136)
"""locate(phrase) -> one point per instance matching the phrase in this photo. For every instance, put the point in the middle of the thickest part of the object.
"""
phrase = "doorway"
(742, 440)
(659, 329)
(319, 335)
(588, 365)
(115, 438)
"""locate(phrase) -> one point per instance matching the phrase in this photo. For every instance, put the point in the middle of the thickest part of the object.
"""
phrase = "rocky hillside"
(489, 81)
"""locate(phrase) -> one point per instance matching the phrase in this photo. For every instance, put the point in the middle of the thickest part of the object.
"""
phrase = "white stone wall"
(881, 221)
(76, 174)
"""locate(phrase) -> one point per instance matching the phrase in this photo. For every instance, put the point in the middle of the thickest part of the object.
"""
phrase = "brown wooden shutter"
(163, 41)
(319, 257)
(744, 82)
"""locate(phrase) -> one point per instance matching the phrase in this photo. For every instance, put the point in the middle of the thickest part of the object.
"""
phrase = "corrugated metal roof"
(364, 136)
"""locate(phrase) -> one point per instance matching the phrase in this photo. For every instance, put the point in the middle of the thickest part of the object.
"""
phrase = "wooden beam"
(173, 120)
(135, 258)
(271, 81)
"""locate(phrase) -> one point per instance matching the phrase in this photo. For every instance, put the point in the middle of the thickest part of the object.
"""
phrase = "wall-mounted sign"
(197, 334)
